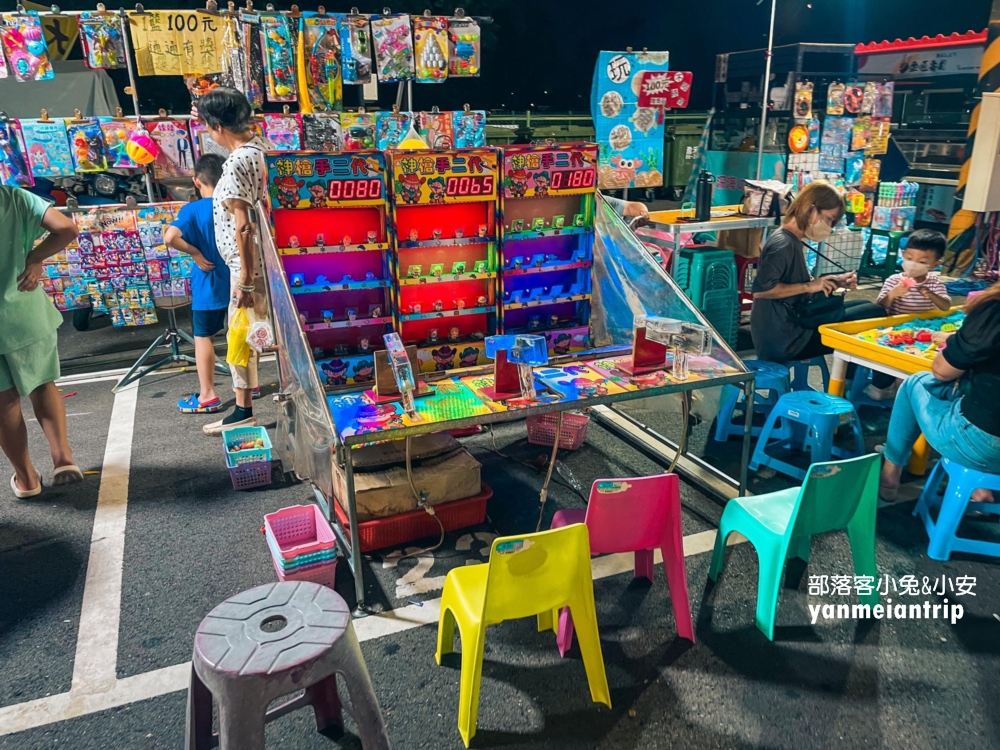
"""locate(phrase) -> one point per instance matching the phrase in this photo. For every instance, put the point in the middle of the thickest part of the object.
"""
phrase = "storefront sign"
(532, 173)
(922, 63)
(174, 43)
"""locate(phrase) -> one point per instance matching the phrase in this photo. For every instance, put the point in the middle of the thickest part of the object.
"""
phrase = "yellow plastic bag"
(238, 353)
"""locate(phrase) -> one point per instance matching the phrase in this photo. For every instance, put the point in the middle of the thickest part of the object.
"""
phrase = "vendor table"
(849, 349)
(668, 221)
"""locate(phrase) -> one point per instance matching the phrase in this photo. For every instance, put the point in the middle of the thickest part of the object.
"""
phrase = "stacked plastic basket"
(302, 544)
(248, 456)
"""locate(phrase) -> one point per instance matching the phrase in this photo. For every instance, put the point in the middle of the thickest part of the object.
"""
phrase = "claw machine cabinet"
(444, 217)
(547, 240)
(329, 218)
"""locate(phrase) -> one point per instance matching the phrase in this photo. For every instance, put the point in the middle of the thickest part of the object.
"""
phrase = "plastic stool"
(943, 533)
(768, 376)
(857, 396)
(268, 642)
(800, 374)
(808, 421)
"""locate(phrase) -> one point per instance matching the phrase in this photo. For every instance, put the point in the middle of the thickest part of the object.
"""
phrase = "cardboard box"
(442, 469)
(745, 242)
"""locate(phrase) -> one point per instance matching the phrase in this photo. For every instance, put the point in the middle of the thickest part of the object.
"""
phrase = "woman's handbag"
(815, 310)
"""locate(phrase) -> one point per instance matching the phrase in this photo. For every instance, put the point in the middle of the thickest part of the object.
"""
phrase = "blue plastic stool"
(857, 396)
(768, 376)
(800, 374)
(952, 506)
(808, 421)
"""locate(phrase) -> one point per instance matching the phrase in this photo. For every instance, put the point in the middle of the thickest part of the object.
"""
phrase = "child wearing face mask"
(915, 290)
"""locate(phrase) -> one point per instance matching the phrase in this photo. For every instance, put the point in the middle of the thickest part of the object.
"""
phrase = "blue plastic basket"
(244, 457)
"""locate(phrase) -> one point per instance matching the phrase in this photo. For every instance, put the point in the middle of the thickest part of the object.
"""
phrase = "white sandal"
(24, 494)
(67, 475)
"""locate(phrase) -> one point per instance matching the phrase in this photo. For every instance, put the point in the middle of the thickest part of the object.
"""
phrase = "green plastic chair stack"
(836, 496)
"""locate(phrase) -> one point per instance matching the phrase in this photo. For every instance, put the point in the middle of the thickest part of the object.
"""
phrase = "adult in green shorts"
(29, 354)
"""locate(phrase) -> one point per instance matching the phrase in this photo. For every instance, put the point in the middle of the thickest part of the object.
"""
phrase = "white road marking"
(172, 679)
(97, 642)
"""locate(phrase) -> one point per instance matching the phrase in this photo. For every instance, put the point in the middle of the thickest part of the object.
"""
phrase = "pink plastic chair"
(632, 515)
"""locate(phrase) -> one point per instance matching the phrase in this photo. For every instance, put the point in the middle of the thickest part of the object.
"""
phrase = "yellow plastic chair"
(526, 576)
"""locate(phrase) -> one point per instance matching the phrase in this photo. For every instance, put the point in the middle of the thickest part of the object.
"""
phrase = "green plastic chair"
(836, 496)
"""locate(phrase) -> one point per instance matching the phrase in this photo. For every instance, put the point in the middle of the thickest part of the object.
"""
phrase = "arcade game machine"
(328, 219)
(547, 242)
(445, 253)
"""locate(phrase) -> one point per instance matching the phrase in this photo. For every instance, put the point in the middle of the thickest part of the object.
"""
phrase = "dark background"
(541, 54)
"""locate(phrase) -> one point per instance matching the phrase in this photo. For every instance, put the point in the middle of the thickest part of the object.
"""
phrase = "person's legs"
(859, 309)
(204, 357)
(813, 348)
(14, 439)
(50, 410)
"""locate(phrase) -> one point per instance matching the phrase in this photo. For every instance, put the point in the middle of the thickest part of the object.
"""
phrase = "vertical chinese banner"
(176, 43)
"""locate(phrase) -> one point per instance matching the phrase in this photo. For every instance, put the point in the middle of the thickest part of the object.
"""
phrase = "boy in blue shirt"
(194, 233)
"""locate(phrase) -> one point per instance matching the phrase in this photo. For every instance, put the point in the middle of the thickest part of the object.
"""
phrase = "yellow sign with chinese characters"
(176, 43)
(60, 31)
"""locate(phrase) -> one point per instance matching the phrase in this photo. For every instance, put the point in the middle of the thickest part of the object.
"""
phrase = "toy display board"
(445, 256)
(903, 342)
(459, 397)
(547, 236)
(329, 220)
(94, 269)
(630, 135)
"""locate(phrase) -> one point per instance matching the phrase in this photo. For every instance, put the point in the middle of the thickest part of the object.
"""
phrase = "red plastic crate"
(572, 433)
(416, 524)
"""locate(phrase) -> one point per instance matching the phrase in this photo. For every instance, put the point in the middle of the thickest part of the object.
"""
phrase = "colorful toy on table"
(513, 357)
(654, 335)
(915, 337)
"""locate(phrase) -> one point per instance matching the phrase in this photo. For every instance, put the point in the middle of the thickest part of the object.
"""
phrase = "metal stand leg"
(352, 513)
(171, 336)
(748, 390)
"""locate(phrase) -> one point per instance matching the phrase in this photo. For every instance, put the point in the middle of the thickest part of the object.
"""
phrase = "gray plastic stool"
(272, 641)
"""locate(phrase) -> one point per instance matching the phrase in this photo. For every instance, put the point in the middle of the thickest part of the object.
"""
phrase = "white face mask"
(818, 231)
(914, 269)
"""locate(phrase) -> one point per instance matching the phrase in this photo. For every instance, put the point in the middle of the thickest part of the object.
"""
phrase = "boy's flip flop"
(24, 494)
(192, 405)
(67, 475)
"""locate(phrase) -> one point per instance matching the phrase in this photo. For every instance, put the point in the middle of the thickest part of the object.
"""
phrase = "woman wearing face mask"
(783, 279)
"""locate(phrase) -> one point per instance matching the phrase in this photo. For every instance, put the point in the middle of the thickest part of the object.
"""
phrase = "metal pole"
(409, 94)
(126, 30)
(766, 91)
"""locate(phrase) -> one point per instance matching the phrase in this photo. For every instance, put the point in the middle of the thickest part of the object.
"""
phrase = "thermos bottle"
(703, 196)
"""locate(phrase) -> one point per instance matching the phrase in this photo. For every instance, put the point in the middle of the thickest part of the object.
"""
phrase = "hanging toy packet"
(393, 48)
(117, 132)
(279, 60)
(14, 170)
(355, 49)
(430, 38)
(253, 57)
(321, 47)
(102, 39)
(436, 128)
(803, 100)
(470, 128)
(391, 128)
(87, 142)
(175, 158)
(854, 98)
(25, 46)
(321, 132)
(358, 130)
(47, 147)
(463, 48)
(835, 99)
(283, 131)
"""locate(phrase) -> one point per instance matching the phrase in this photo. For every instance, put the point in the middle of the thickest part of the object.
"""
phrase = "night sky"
(542, 52)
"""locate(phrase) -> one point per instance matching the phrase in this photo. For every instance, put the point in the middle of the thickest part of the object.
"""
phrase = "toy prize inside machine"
(547, 242)
(444, 214)
(328, 215)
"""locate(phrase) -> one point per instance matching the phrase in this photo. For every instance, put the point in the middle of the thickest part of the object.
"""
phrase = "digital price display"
(470, 185)
(573, 178)
(363, 189)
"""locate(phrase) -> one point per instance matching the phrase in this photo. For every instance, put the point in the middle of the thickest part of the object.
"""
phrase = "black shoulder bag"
(816, 309)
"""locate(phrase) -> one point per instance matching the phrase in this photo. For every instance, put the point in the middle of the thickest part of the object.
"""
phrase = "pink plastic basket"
(542, 430)
(299, 530)
(325, 574)
(248, 476)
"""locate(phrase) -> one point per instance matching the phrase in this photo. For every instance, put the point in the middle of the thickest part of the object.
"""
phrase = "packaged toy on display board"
(391, 128)
(117, 132)
(321, 132)
(444, 214)
(24, 46)
(357, 130)
(393, 48)
(547, 210)
(175, 158)
(47, 147)
(284, 131)
(463, 47)
(102, 37)
(430, 37)
(355, 49)
(329, 221)
(322, 69)
(252, 58)
(87, 144)
(629, 127)
(279, 57)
